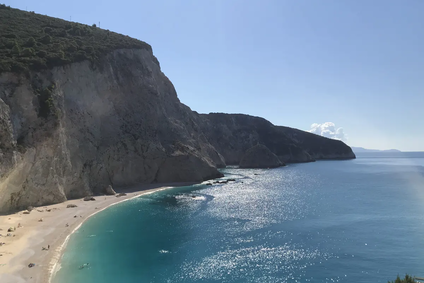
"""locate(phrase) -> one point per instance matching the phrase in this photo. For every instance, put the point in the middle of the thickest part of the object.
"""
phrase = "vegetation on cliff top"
(407, 279)
(29, 41)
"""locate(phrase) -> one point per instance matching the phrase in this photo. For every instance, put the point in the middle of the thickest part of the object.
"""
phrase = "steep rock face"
(233, 134)
(319, 148)
(76, 129)
(259, 156)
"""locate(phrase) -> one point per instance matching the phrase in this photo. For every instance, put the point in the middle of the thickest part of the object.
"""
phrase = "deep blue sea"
(356, 221)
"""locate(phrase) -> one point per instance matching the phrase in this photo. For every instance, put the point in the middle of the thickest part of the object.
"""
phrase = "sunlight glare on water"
(347, 221)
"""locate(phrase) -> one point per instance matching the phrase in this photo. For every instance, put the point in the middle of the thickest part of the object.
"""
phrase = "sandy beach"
(39, 237)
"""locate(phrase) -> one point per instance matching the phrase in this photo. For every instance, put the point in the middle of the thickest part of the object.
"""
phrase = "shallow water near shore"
(330, 221)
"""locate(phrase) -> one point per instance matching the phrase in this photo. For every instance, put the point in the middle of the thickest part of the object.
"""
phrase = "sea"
(358, 220)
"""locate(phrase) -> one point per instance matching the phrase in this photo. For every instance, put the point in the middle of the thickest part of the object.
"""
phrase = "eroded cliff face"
(74, 130)
(233, 134)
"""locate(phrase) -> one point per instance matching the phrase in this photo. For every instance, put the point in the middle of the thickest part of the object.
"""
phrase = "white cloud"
(329, 130)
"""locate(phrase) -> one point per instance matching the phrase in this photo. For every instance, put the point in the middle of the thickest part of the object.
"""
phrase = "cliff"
(318, 147)
(84, 108)
(74, 130)
(233, 134)
(259, 156)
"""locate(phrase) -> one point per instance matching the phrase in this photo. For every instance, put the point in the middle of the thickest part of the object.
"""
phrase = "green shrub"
(42, 53)
(89, 50)
(71, 47)
(10, 35)
(56, 59)
(30, 42)
(81, 55)
(57, 46)
(86, 30)
(46, 39)
(407, 279)
(16, 49)
(61, 33)
(28, 52)
(45, 100)
(18, 67)
(10, 43)
(48, 30)
(75, 30)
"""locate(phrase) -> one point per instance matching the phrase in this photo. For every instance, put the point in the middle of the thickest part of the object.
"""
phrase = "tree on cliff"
(407, 279)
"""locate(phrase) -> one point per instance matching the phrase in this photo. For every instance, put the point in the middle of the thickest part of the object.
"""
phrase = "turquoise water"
(330, 221)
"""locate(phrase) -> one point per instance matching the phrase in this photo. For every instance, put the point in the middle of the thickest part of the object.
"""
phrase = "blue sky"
(356, 63)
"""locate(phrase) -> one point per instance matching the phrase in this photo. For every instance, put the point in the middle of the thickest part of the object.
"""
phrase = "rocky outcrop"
(259, 156)
(89, 198)
(233, 134)
(110, 191)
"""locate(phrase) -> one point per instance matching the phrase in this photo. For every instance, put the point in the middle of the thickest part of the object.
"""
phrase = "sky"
(355, 64)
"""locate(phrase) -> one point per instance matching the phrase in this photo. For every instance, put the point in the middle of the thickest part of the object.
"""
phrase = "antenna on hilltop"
(99, 24)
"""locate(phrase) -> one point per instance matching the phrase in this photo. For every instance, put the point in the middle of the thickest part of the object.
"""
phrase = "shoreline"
(59, 251)
(26, 243)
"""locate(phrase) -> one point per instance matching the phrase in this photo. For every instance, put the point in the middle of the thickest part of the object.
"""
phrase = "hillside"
(233, 134)
(71, 125)
(29, 41)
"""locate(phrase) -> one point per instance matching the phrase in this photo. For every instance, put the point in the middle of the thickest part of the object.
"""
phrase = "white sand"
(26, 243)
